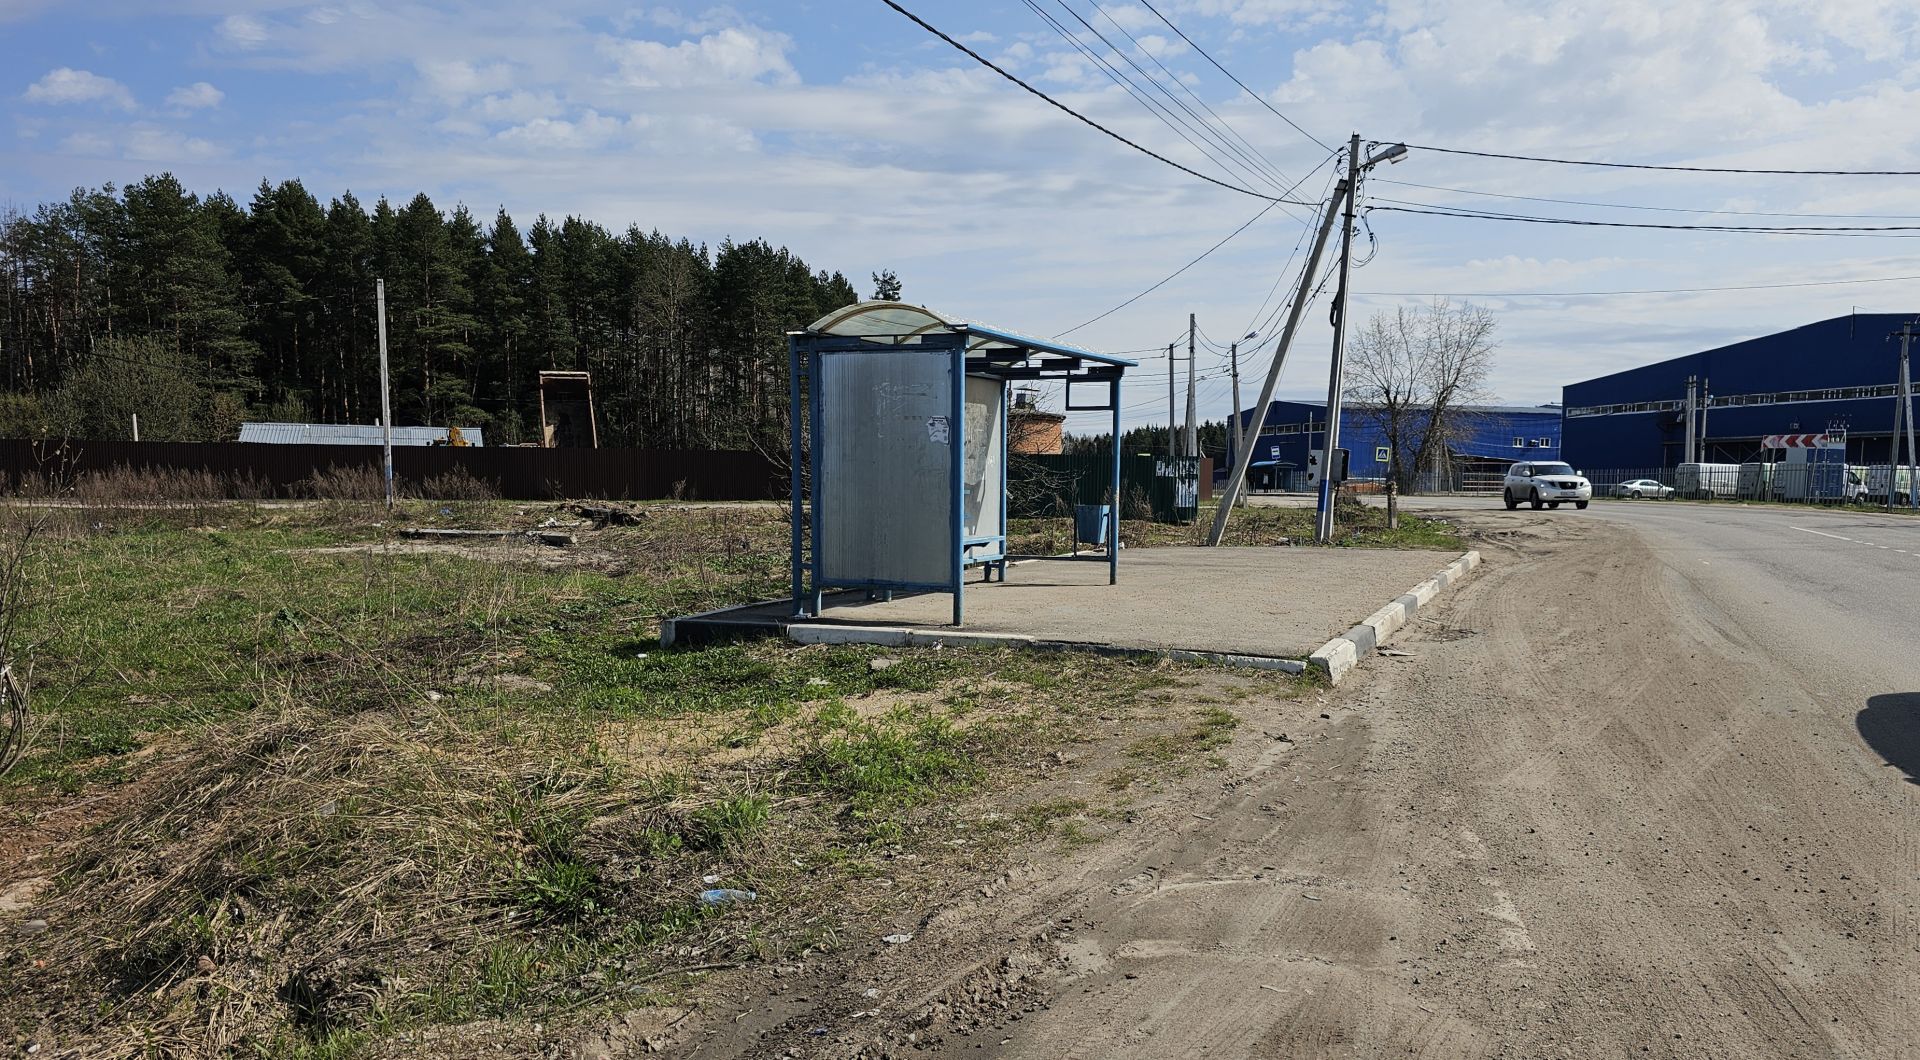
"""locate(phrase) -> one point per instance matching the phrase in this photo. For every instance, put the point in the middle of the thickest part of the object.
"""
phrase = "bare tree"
(1411, 371)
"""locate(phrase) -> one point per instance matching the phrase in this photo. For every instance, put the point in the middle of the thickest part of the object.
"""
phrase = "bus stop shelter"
(899, 447)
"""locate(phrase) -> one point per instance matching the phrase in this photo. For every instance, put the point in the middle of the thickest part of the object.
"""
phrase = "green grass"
(350, 800)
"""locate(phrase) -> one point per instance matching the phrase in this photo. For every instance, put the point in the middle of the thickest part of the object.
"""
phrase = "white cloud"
(519, 106)
(591, 129)
(142, 143)
(737, 53)
(195, 96)
(457, 79)
(243, 31)
(166, 147)
(66, 85)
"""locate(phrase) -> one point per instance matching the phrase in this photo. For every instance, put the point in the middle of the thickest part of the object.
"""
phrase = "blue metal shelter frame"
(973, 351)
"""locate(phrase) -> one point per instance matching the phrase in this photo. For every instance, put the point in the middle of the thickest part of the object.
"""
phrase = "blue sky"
(847, 133)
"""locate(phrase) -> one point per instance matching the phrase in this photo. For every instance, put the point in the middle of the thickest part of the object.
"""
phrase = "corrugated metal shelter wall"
(1837, 354)
(516, 473)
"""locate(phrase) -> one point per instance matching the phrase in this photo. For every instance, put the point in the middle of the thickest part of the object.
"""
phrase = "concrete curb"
(1337, 657)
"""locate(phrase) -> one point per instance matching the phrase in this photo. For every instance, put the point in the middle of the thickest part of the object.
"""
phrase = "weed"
(731, 821)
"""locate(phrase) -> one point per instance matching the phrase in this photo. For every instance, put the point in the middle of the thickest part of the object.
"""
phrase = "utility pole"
(1686, 450)
(1236, 482)
(386, 403)
(1173, 429)
(1233, 359)
(136, 426)
(1706, 398)
(1323, 523)
(1193, 436)
(1903, 423)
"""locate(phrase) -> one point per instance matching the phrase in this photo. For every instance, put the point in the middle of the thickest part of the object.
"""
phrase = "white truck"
(1701, 481)
(1876, 484)
(1818, 475)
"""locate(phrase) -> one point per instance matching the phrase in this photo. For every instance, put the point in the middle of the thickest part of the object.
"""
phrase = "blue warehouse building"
(1486, 439)
(1839, 373)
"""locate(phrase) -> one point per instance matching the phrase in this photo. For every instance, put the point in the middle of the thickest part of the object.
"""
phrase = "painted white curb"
(1337, 657)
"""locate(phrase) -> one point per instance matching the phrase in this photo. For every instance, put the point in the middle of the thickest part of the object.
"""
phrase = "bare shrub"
(350, 483)
(17, 537)
(457, 484)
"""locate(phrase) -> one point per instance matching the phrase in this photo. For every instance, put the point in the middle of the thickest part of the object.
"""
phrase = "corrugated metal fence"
(515, 473)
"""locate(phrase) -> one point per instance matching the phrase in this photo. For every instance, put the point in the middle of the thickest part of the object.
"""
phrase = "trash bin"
(1090, 523)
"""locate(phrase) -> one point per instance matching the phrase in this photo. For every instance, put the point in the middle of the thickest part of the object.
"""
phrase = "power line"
(1600, 294)
(1789, 230)
(1170, 276)
(1657, 209)
(989, 64)
(1670, 169)
(1191, 94)
(1180, 126)
(1262, 100)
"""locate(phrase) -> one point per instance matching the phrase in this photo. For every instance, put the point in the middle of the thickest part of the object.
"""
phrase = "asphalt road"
(1649, 785)
(1836, 591)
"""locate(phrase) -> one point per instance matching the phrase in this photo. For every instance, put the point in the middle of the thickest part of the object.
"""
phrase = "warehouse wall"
(1839, 354)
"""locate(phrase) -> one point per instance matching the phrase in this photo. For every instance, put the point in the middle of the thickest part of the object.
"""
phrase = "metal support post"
(957, 443)
(1113, 509)
(386, 402)
(796, 480)
(1323, 524)
(1236, 482)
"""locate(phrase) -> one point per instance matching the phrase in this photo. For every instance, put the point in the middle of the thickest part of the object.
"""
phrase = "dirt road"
(1596, 814)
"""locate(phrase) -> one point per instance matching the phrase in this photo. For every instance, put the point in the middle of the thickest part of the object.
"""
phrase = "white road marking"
(1851, 540)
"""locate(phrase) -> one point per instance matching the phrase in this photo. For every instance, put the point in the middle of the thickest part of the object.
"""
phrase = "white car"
(1545, 482)
(1642, 487)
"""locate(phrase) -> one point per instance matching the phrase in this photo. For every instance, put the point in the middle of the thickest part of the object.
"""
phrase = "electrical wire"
(1603, 294)
(1163, 282)
(1657, 209)
(1170, 276)
(1790, 230)
(989, 64)
(1262, 100)
(1181, 127)
(1182, 85)
(1670, 169)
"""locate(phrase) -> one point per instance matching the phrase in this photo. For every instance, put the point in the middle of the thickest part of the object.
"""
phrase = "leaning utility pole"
(386, 403)
(1236, 482)
(1233, 359)
(1323, 523)
(1193, 436)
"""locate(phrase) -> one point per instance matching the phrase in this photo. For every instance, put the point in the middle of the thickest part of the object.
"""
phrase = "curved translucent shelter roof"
(899, 323)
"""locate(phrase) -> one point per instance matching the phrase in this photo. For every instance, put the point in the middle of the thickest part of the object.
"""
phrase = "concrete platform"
(1275, 603)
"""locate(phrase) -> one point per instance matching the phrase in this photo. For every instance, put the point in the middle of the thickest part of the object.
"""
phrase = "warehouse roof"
(348, 434)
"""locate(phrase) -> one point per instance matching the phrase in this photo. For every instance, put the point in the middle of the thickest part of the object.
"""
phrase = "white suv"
(1541, 482)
